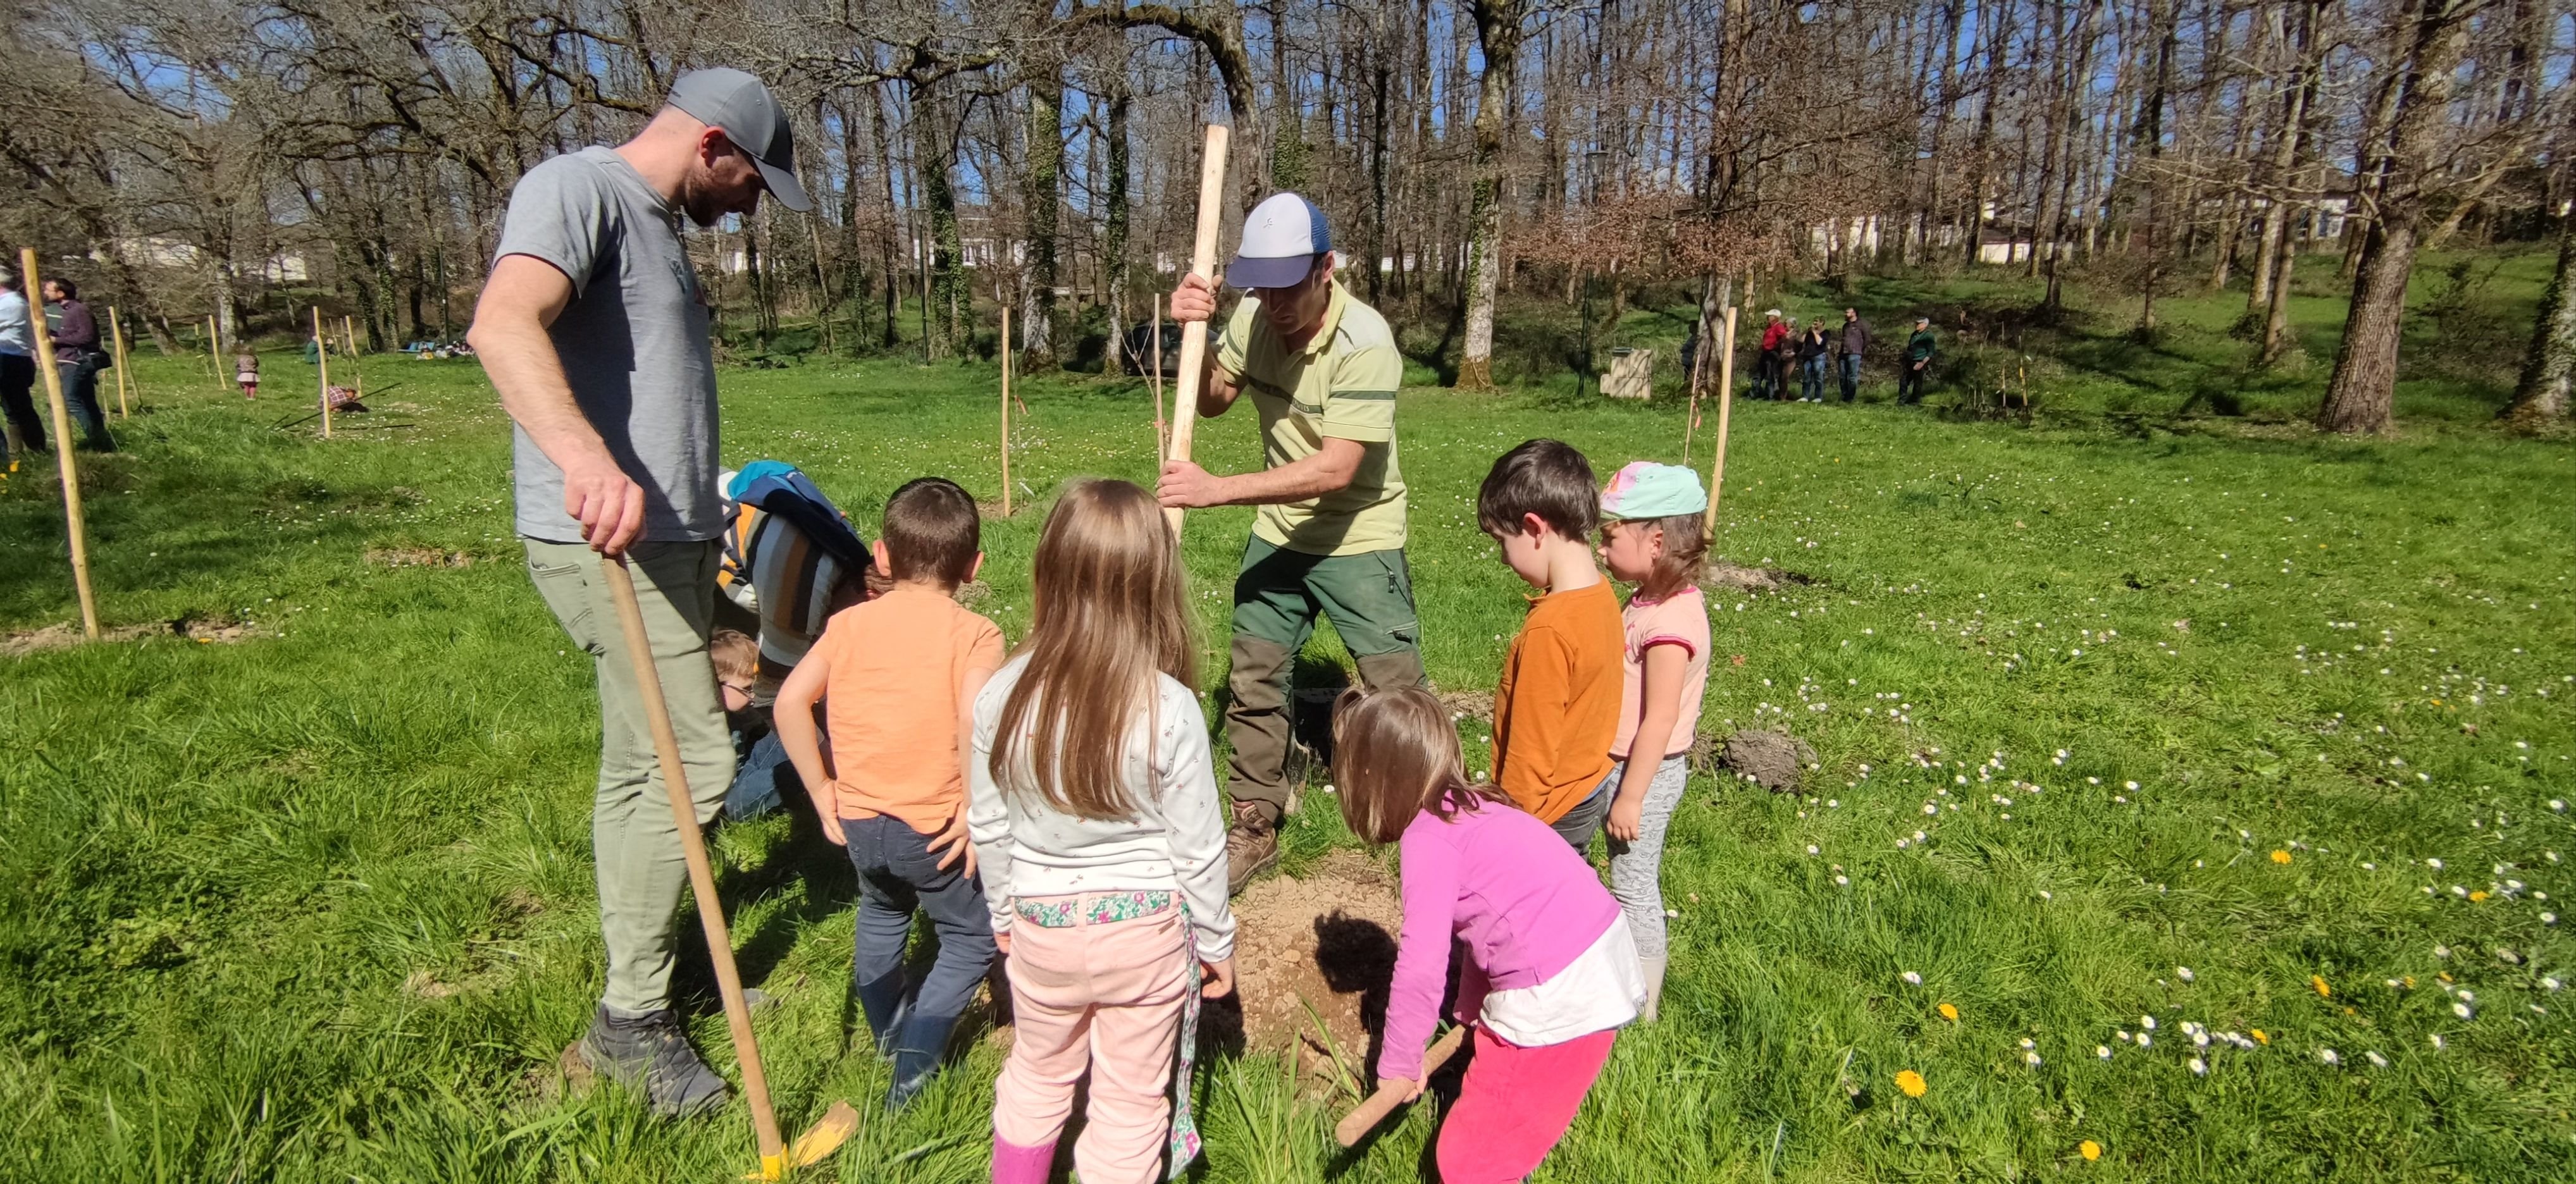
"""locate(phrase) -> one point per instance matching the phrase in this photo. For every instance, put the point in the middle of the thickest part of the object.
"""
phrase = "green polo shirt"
(1341, 386)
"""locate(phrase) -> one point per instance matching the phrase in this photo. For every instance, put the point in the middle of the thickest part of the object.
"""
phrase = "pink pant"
(1515, 1104)
(1103, 997)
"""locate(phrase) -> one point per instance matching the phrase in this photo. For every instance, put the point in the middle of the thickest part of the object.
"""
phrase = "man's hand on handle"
(608, 504)
(1186, 486)
(1195, 300)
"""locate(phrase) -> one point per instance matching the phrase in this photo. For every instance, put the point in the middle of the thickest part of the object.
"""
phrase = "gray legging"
(1636, 869)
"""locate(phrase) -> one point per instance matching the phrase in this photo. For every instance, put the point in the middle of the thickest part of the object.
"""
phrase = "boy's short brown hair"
(1543, 477)
(932, 532)
(735, 654)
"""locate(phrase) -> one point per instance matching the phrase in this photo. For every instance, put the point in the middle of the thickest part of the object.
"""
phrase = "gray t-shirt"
(633, 342)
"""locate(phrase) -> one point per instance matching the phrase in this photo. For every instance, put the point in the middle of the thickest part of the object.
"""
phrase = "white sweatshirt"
(1027, 848)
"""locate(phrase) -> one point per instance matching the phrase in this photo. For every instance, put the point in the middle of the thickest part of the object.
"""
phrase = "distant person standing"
(1811, 362)
(78, 358)
(246, 373)
(1849, 345)
(1770, 376)
(1918, 363)
(594, 332)
(18, 370)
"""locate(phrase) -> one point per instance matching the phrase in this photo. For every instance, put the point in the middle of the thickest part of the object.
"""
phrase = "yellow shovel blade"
(819, 1141)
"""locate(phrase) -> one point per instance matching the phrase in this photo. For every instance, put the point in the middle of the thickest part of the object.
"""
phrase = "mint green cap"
(1645, 489)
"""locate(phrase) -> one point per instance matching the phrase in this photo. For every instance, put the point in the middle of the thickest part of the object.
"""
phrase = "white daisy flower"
(2199, 1067)
(1912, 978)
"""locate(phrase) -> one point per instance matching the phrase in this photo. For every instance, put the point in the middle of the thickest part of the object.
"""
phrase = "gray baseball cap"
(738, 104)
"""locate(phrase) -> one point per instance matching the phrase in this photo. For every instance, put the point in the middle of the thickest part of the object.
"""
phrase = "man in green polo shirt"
(1322, 369)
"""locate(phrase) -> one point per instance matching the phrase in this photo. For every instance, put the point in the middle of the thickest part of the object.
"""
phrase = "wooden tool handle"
(1365, 1118)
(1725, 404)
(74, 523)
(1185, 393)
(702, 879)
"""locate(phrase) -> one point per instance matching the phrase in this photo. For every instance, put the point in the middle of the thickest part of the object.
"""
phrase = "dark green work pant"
(1369, 598)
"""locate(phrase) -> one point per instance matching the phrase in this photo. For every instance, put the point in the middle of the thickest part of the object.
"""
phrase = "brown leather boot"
(1251, 845)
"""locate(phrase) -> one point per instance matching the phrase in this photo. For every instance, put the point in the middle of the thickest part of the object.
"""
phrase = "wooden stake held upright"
(215, 354)
(1006, 411)
(1156, 371)
(72, 519)
(1725, 403)
(1185, 393)
(124, 385)
(322, 359)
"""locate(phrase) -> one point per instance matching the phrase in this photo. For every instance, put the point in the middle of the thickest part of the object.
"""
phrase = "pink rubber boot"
(1013, 1164)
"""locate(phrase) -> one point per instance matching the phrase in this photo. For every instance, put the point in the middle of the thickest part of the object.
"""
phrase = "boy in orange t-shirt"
(897, 678)
(1556, 710)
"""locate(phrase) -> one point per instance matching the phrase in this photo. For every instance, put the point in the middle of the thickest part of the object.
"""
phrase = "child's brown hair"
(735, 654)
(1112, 612)
(932, 532)
(1685, 555)
(1395, 755)
(1548, 478)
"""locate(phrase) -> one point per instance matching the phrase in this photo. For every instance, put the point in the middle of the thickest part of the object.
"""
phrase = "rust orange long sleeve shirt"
(1556, 710)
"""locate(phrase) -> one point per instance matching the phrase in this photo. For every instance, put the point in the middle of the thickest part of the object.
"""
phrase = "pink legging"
(1515, 1104)
(1102, 997)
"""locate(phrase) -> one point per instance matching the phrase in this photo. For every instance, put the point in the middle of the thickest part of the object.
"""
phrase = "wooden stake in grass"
(357, 371)
(1006, 411)
(1364, 1118)
(1155, 378)
(72, 519)
(322, 359)
(124, 386)
(702, 878)
(215, 355)
(1185, 393)
(1725, 403)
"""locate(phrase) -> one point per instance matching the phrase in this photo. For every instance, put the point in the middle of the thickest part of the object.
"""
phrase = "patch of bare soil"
(1777, 761)
(972, 593)
(1469, 705)
(203, 631)
(1313, 957)
(418, 557)
(1722, 576)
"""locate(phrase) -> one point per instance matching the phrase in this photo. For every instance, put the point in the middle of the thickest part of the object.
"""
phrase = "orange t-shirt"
(1556, 710)
(892, 697)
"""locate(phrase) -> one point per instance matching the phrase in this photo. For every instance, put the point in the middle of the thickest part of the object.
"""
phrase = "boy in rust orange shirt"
(897, 677)
(1556, 710)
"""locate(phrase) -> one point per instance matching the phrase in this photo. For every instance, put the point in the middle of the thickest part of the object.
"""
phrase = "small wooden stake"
(1156, 380)
(116, 339)
(357, 371)
(1185, 393)
(1725, 403)
(215, 354)
(322, 359)
(1006, 411)
(72, 519)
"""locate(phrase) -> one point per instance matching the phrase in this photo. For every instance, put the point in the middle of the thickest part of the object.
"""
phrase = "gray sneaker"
(651, 1056)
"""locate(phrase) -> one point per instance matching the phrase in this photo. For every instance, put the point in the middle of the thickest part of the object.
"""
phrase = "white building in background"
(285, 267)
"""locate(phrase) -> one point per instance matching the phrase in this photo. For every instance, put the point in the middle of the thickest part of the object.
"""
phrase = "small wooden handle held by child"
(1388, 1097)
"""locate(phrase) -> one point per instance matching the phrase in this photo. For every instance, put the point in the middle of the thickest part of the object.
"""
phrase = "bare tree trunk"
(2362, 394)
(1114, 230)
(1498, 31)
(2540, 399)
(1039, 194)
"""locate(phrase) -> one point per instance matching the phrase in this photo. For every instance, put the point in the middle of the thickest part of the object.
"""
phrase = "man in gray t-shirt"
(594, 333)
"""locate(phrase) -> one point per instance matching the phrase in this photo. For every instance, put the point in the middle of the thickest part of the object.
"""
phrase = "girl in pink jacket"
(1552, 969)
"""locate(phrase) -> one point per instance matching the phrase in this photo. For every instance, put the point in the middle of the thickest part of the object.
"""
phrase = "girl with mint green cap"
(1650, 537)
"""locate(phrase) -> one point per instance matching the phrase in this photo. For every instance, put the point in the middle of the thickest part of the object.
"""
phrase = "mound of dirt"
(204, 631)
(1775, 760)
(1466, 705)
(1722, 576)
(1313, 957)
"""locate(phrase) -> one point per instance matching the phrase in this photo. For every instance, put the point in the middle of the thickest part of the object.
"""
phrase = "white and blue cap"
(1281, 238)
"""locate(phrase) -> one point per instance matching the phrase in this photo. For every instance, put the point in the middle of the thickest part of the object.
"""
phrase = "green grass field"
(2096, 698)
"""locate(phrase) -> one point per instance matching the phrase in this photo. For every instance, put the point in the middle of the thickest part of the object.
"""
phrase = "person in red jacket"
(1770, 370)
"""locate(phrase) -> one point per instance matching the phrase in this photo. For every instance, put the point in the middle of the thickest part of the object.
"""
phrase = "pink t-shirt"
(1679, 619)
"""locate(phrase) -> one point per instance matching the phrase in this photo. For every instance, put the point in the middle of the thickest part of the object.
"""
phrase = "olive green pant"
(635, 841)
(1369, 598)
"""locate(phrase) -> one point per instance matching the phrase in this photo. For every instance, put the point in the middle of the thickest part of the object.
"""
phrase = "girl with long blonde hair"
(1101, 835)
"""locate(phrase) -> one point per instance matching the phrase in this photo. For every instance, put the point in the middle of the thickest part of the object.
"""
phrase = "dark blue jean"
(762, 781)
(80, 394)
(1851, 376)
(1811, 378)
(899, 874)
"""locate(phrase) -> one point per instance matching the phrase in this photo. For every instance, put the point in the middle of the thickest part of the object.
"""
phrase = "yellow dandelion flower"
(2280, 856)
(2319, 982)
(1911, 1082)
(2090, 1150)
(1950, 1012)
(2478, 895)
(2260, 1038)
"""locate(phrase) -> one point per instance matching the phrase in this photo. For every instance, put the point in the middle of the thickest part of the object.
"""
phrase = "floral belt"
(1109, 908)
